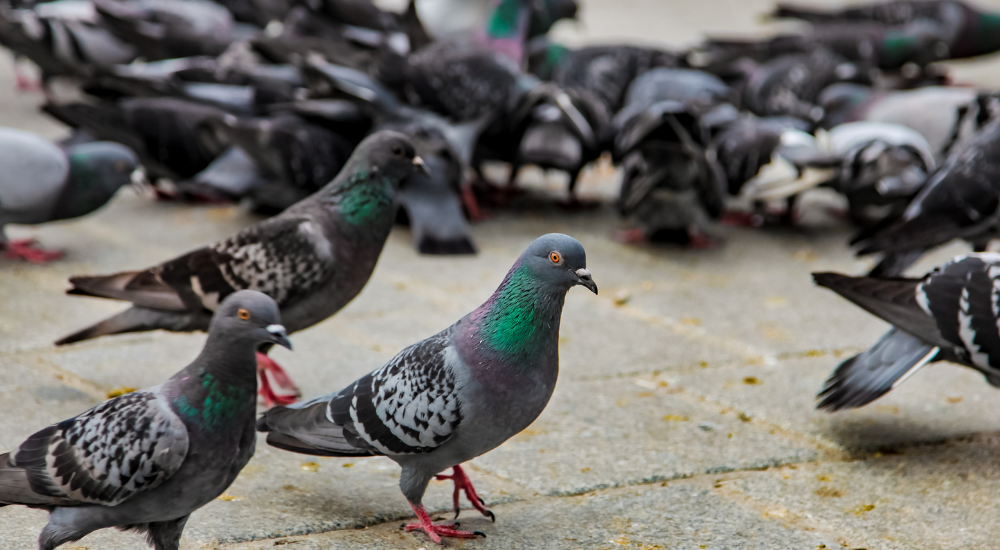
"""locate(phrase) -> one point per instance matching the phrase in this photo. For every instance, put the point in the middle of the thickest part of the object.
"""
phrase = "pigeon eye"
(397, 150)
(555, 257)
(243, 314)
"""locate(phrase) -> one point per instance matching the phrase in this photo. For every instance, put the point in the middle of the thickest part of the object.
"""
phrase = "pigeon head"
(96, 171)
(391, 154)
(558, 261)
(251, 317)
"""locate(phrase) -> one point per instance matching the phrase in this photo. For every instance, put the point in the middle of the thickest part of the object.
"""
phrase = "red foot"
(25, 250)
(700, 241)
(24, 83)
(472, 209)
(268, 369)
(435, 532)
(743, 219)
(463, 483)
(630, 236)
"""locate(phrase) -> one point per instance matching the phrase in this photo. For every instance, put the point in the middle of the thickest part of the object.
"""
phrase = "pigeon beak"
(586, 280)
(418, 163)
(279, 336)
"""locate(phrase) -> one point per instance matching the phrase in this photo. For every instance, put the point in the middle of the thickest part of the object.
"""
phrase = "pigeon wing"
(121, 448)
(410, 405)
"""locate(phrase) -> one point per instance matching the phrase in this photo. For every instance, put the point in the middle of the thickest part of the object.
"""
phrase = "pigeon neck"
(219, 385)
(987, 33)
(86, 189)
(364, 198)
(521, 319)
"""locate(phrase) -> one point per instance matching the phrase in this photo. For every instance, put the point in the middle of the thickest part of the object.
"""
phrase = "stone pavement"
(684, 415)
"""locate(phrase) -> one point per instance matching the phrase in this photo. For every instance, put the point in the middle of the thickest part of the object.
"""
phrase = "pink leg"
(471, 204)
(435, 532)
(267, 369)
(24, 83)
(743, 219)
(701, 241)
(463, 483)
(25, 250)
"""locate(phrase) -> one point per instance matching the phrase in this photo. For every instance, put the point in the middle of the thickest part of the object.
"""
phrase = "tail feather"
(892, 300)
(873, 373)
(140, 287)
(140, 319)
(789, 11)
(16, 489)
(305, 428)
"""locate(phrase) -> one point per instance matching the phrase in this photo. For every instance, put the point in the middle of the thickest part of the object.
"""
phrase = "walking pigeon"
(145, 460)
(960, 201)
(39, 183)
(947, 315)
(313, 258)
(455, 395)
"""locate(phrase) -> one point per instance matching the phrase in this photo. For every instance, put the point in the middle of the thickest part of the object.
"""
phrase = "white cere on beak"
(582, 273)
(275, 329)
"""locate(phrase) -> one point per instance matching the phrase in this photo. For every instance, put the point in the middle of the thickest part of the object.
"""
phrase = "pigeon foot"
(472, 210)
(267, 369)
(435, 532)
(25, 250)
(464, 484)
(24, 83)
(743, 219)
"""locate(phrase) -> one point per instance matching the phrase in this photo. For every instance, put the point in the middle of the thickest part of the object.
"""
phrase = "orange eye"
(555, 257)
(243, 314)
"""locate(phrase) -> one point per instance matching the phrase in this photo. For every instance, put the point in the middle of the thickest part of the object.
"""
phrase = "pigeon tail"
(304, 428)
(15, 488)
(892, 300)
(791, 11)
(139, 319)
(873, 373)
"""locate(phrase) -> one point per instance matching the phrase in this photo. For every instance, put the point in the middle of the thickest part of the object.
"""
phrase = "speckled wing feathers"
(108, 454)
(410, 405)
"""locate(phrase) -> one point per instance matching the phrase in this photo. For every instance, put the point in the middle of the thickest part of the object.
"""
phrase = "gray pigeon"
(455, 395)
(39, 182)
(946, 315)
(313, 258)
(144, 461)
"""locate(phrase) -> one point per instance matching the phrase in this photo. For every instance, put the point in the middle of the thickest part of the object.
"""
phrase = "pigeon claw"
(464, 484)
(25, 250)
(435, 532)
(268, 369)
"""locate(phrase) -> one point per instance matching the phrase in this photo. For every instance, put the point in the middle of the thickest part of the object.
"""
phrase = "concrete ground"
(684, 416)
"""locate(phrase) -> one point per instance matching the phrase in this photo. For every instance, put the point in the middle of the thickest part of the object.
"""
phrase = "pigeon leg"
(25, 83)
(472, 209)
(435, 532)
(743, 219)
(25, 250)
(265, 367)
(463, 483)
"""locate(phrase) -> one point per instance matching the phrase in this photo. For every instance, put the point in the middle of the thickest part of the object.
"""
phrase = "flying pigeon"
(960, 201)
(39, 183)
(147, 459)
(947, 315)
(313, 258)
(455, 395)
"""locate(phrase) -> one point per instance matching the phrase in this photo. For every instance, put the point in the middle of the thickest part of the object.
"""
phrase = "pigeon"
(605, 71)
(295, 155)
(165, 132)
(64, 38)
(430, 199)
(455, 395)
(961, 200)
(39, 183)
(146, 460)
(672, 183)
(947, 117)
(789, 85)
(312, 259)
(168, 29)
(427, 199)
(968, 31)
(946, 315)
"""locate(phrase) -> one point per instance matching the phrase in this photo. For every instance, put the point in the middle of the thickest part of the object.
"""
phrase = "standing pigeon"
(313, 258)
(960, 201)
(39, 183)
(947, 315)
(144, 461)
(455, 395)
